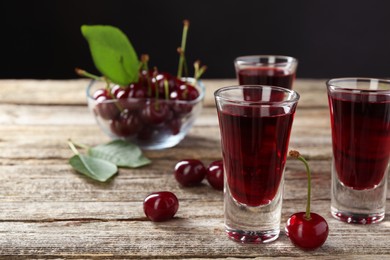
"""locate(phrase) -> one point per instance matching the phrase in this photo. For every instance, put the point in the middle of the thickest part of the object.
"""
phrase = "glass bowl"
(150, 123)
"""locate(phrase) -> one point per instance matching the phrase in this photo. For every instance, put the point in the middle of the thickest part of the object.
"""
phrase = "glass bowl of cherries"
(155, 113)
(152, 109)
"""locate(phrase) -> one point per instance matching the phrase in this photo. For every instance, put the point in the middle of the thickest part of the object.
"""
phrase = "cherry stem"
(199, 70)
(185, 67)
(166, 89)
(84, 73)
(182, 48)
(83, 146)
(155, 73)
(297, 155)
(144, 62)
(144, 66)
(73, 147)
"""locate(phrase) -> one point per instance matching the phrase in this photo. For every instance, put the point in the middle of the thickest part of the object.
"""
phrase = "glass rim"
(332, 84)
(245, 60)
(294, 96)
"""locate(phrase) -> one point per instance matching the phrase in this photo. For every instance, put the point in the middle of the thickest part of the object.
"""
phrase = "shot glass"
(254, 139)
(269, 70)
(360, 121)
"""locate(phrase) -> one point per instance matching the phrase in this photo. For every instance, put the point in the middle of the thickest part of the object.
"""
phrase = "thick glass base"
(251, 237)
(358, 206)
(252, 224)
(354, 218)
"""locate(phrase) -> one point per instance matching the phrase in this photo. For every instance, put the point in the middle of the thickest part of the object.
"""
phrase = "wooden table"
(47, 210)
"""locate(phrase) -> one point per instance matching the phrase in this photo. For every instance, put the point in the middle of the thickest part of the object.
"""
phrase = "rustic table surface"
(47, 210)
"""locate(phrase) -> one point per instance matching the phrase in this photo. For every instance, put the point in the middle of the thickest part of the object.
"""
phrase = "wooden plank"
(49, 92)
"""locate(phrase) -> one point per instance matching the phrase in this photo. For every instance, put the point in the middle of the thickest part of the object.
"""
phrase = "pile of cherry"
(157, 102)
(163, 205)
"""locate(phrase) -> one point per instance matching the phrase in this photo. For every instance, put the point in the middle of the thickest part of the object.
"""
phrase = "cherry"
(190, 172)
(129, 97)
(161, 206)
(188, 92)
(120, 93)
(164, 83)
(306, 230)
(101, 93)
(106, 107)
(173, 95)
(174, 125)
(146, 133)
(181, 109)
(214, 174)
(185, 92)
(136, 90)
(116, 91)
(126, 125)
(156, 112)
(145, 81)
(307, 233)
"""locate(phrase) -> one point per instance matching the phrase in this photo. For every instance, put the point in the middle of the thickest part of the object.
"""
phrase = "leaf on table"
(121, 153)
(94, 168)
(112, 53)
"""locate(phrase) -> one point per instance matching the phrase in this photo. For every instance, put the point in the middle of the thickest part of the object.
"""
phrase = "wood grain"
(47, 210)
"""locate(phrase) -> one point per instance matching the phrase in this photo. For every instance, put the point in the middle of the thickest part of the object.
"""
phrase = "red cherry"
(214, 174)
(146, 133)
(128, 99)
(126, 125)
(184, 92)
(121, 93)
(101, 92)
(306, 230)
(161, 206)
(187, 92)
(156, 112)
(117, 90)
(174, 125)
(173, 95)
(159, 82)
(145, 79)
(190, 172)
(106, 108)
(307, 233)
(137, 90)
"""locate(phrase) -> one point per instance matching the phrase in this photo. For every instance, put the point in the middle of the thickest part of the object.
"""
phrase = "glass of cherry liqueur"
(360, 121)
(271, 70)
(255, 132)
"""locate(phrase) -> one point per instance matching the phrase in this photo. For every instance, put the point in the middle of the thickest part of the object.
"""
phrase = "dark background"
(42, 39)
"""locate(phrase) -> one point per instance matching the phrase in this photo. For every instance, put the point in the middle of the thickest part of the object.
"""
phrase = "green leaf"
(94, 168)
(121, 153)
(112, 53)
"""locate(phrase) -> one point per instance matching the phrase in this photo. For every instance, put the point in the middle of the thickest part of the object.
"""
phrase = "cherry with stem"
(306, 230)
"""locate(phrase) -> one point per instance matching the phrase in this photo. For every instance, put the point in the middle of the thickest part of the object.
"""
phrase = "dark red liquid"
(254, 145)
(266, 76)
(361, 139)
